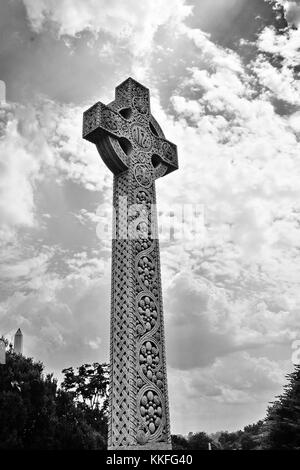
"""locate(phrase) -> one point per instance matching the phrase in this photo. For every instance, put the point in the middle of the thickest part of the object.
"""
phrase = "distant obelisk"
(2, 92)
(2, 351)
(18, 342)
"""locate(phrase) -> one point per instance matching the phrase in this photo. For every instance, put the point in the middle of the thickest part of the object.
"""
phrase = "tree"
(7, 344)
(230, 440)
(283, 417)
(36, 414)
(251, 438)
(88, 385)
(78, 426)
(247, 439)
(179, 442)
(198, 441)
(26, 402)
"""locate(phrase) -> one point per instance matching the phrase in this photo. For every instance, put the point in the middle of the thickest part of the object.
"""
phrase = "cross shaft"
(133, 146)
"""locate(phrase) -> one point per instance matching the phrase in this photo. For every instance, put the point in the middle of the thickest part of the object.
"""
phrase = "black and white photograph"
(150, 228)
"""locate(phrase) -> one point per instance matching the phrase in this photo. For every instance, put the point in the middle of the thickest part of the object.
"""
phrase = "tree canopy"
(88, 385)
(282, 428)
(37, 414)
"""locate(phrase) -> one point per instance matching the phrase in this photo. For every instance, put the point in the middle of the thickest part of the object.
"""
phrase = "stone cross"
(134, 148)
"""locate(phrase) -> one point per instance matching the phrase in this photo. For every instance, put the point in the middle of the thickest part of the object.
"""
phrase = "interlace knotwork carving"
(133, 146)
(143, 174)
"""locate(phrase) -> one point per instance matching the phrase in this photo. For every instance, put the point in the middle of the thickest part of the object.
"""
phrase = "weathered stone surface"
(133, 146)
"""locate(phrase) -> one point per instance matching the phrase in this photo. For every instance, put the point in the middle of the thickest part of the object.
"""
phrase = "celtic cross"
(134, 148)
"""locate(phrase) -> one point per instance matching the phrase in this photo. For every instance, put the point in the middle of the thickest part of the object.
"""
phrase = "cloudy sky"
(224, 86)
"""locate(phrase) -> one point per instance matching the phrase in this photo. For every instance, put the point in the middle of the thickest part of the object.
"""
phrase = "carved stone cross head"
(126, 134)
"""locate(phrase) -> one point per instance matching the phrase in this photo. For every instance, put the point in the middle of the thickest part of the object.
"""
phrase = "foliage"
(283, 417)
(179, 442)
(88, 385)
(36, 414)
(248, 439)
(230, 440)
(7, 344)
(197, 441)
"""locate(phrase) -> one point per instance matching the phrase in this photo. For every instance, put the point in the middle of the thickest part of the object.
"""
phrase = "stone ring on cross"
(126, 128)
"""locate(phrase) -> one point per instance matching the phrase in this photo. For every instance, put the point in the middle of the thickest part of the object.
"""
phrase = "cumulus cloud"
(284, 45)
(231, 296)
(223, 384)
(19, 169)
(294, 121)
(233, 391)
(56, 311)
(41, 142)
(75, 159)
(34, 267)
(280, 79)
(221, 320)
(240, 285)
(213, 55)
(292, 10)
(130, 22)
